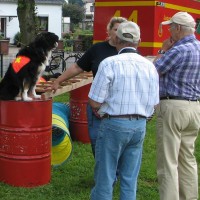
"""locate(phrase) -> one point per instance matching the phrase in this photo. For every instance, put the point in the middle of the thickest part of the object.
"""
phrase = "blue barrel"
(61, 140)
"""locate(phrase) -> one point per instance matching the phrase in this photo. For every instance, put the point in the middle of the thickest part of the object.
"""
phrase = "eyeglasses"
(170, 28)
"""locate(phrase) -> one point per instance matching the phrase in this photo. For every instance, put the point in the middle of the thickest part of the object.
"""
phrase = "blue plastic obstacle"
(61, 140)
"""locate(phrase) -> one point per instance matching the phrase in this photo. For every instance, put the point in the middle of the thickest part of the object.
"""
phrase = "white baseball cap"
(182, 18)
(130, 28)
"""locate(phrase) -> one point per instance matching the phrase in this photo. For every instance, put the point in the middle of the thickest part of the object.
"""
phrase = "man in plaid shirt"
(178, 114)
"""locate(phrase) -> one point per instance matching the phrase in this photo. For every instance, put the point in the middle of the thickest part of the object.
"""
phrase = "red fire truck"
(148, 15)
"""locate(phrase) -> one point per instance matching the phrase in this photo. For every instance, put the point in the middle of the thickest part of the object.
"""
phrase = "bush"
(17, 39)
(1, 37)
(80, 40)
(87, 41)
(67, 36)
(68, 41)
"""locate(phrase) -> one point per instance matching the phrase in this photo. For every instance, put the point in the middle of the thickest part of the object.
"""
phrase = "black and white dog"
(24, 72)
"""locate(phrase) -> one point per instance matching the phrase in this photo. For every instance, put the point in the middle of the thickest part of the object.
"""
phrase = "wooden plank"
(67, 88)
(78, 81)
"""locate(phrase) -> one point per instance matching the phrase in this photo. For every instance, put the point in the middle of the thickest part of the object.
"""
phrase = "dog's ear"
(45, 40)
(52, 36)
(47, 36)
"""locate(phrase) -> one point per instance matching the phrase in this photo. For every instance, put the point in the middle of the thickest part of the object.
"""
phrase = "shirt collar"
(185, 39)
(127, 48)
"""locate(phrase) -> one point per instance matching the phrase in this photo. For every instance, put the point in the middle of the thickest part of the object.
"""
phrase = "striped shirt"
(179, 69)
(126, 84)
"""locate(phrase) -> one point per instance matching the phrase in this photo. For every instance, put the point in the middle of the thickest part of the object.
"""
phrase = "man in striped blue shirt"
(178, 114)
(125, 91)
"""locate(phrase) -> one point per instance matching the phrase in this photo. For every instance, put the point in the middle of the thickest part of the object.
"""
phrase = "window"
(2, 27)
(43, 23)
(91, 8)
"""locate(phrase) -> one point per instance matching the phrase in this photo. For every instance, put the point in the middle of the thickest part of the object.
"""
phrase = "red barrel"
(25, 142)
(78, 114)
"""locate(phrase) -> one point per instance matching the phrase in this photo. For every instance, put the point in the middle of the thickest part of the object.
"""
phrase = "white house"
(89, 14)
(48, 11)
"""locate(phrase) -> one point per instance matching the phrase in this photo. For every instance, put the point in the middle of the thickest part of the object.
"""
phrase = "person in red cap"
(178, 114)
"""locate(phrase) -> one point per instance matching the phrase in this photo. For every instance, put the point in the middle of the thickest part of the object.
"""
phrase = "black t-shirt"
(94, 55)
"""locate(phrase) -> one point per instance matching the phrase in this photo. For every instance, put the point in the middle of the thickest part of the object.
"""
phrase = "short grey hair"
(128, 43)
(187, 29)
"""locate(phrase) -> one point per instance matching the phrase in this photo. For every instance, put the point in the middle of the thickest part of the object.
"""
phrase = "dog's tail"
(9, 86)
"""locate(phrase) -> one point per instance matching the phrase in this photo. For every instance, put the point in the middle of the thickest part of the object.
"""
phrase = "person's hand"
(167, 44)
(95, 112)
(55, 86)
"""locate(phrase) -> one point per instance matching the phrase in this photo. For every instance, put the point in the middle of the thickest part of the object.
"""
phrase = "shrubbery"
(78, 41)
(17, 39)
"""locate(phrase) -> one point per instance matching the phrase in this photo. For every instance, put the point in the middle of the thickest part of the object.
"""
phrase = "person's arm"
(72, 71)
(95, 107)
(167, 44)
(100, 86)
(94, 104)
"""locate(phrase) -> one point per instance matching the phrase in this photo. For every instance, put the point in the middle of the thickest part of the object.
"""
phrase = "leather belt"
(133, 116)
(176, 98)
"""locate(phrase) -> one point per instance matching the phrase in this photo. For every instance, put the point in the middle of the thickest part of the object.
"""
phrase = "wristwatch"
(161, 51)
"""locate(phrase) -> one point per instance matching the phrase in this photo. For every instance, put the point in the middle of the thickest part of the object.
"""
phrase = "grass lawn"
(74, 179)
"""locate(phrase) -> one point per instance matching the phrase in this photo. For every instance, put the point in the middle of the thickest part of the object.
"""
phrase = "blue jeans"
(93, 127)
(119, 146)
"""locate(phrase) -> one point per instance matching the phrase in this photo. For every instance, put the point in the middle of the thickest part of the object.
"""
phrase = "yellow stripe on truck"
(125, 3)
(146, 3)
(142, 44)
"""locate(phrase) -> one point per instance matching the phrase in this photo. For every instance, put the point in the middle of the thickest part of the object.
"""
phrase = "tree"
(75, 12)
(26, 12)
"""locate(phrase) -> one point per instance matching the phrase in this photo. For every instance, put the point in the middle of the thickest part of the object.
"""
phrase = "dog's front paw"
(36, 96)
(18, 98)
(27, 99)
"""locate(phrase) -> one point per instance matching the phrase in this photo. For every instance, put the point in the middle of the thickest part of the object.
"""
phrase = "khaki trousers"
(178, 123)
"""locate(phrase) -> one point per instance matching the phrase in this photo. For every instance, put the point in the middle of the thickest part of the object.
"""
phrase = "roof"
(56, 2)
(88, 1)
